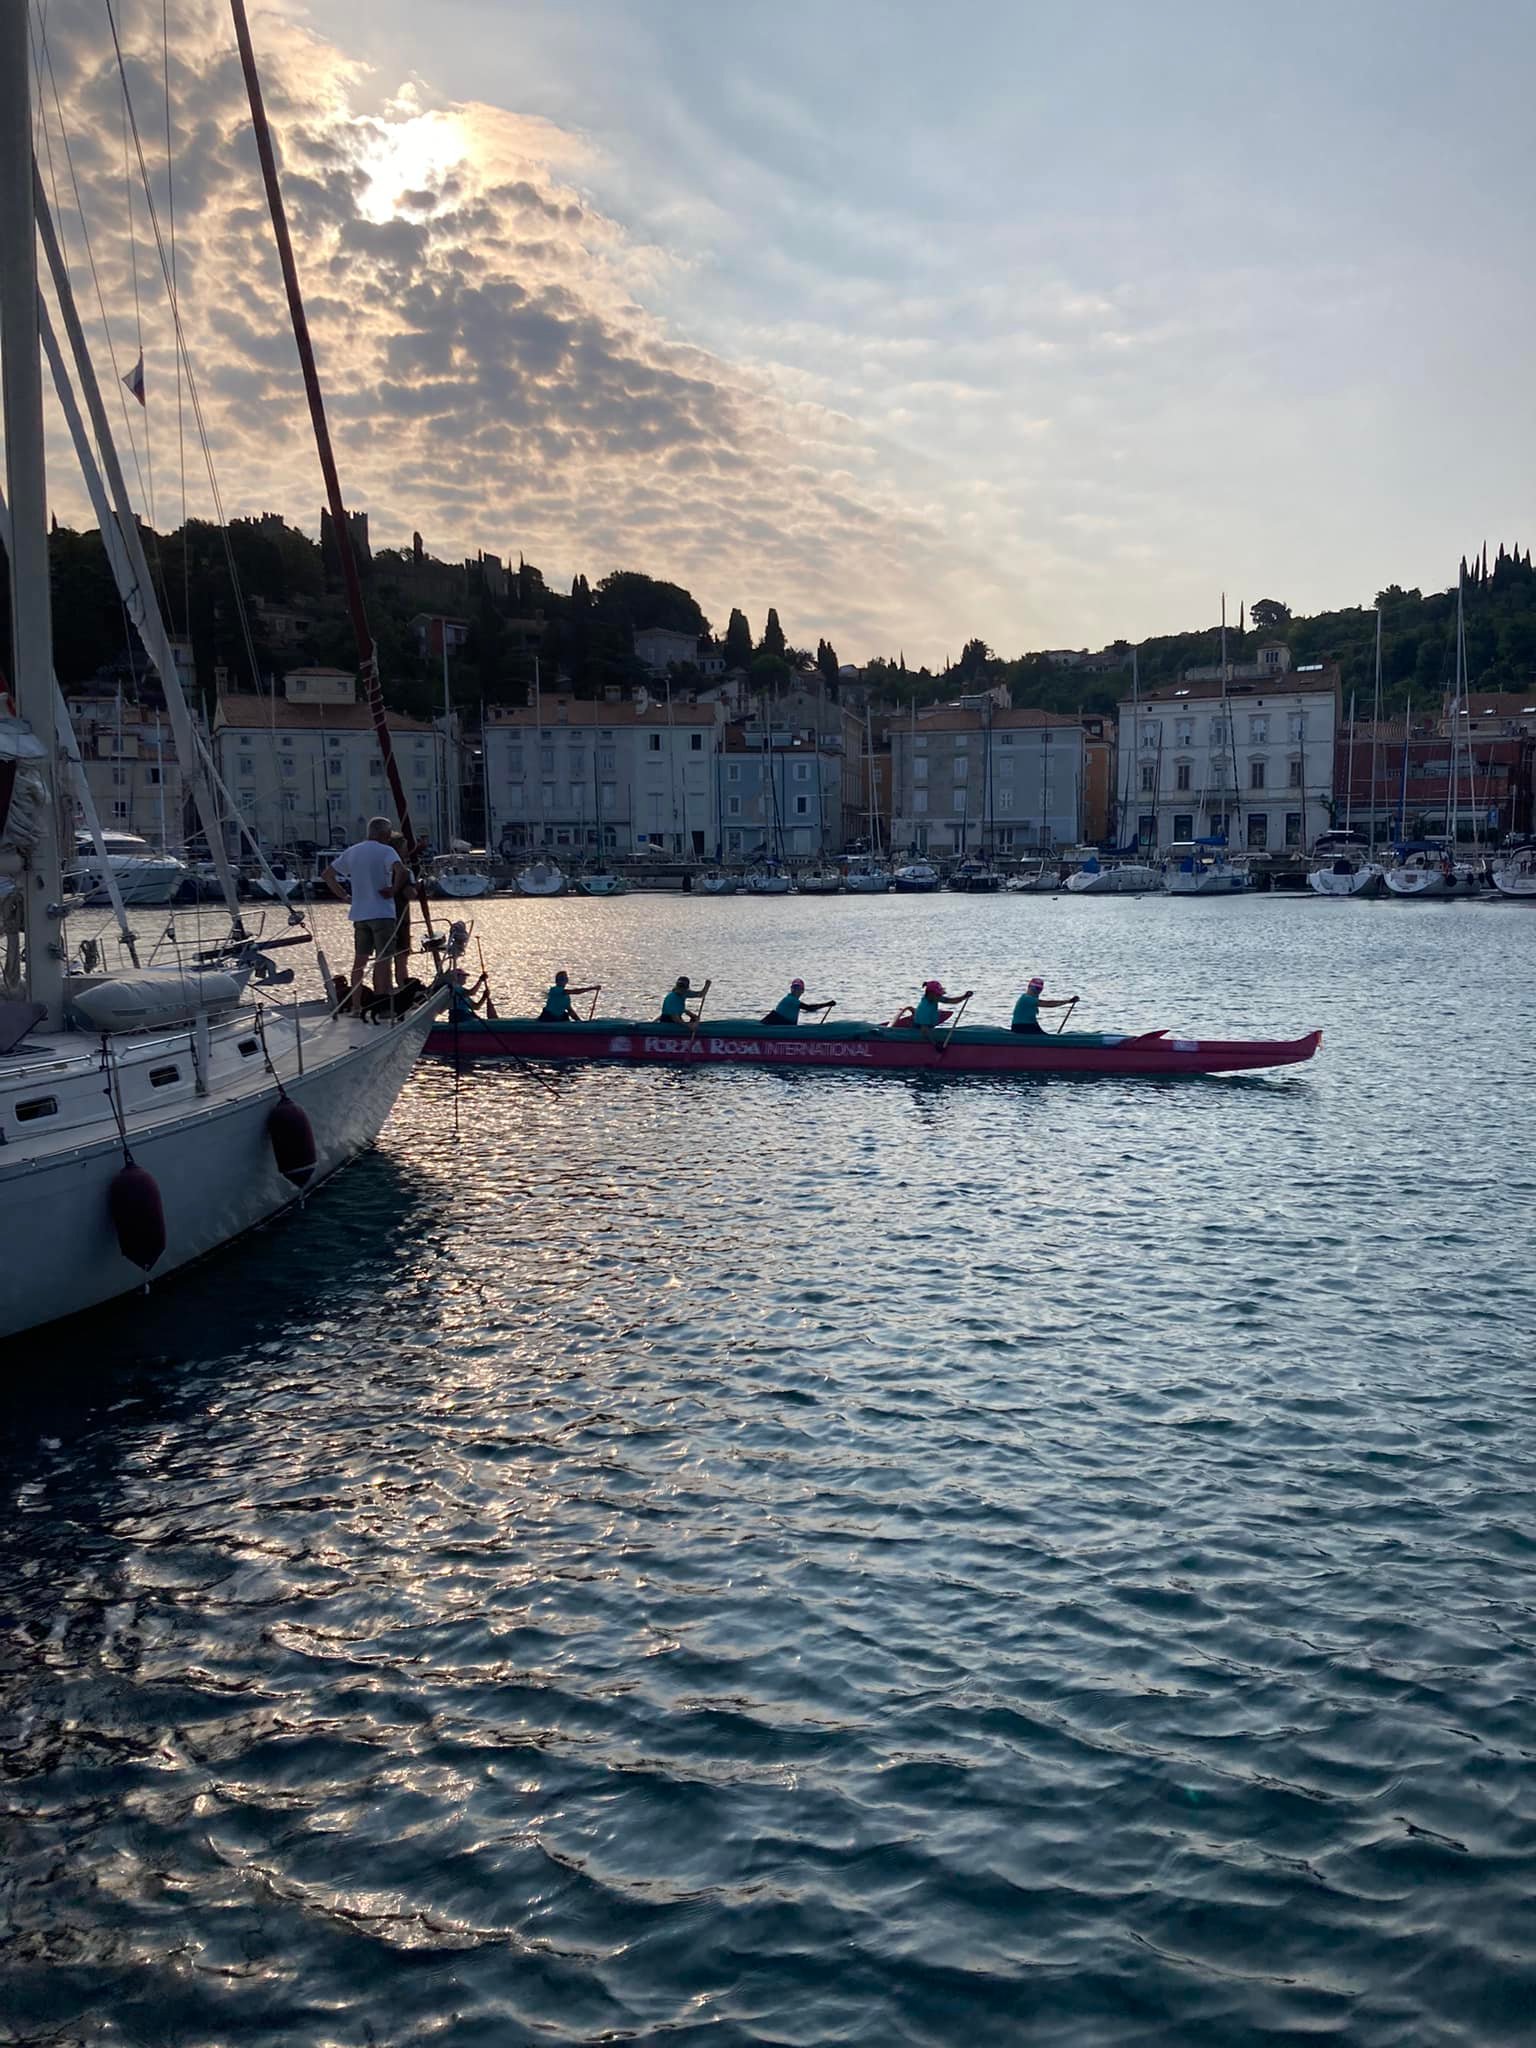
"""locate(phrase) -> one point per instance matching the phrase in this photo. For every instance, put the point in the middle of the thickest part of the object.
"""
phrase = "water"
(808, 1558)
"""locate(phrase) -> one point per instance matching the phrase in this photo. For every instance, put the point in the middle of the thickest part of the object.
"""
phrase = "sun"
(407, 150)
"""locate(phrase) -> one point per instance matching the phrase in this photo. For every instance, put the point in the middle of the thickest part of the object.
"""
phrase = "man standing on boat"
(1026, 1011)
(557, 1001)
(375, 872)
(674, 1004)
(788, 1009)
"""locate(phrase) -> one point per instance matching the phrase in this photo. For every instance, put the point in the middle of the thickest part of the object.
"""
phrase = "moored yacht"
(1343, 866)
(541, 878)
(143, 876)
(1514, 873)
(1195, 868)
(1114, 878)
(866, 877)
(916, 878)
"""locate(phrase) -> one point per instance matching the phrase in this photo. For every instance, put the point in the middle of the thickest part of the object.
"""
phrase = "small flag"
(135, 378)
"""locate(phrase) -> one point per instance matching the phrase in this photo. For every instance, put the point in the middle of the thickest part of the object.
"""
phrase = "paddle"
(592, 1010)
(955, 1024)
(698, 1013)
(490, 1007)
(1071, 1006)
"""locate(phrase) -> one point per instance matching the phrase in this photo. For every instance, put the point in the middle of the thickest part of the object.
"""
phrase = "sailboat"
(1424, 868)
(1344, 864)
(181, 1115)
(867, 874)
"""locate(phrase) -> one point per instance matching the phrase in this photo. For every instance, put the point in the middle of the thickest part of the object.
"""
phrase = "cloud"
(493, 377)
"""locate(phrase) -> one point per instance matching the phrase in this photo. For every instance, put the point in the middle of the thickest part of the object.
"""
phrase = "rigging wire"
(138, 319)
(43, 60)
(170, 204)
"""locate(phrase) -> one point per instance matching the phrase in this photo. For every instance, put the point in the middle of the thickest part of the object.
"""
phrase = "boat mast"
(1131, 767)
(1349, 772)
(1402, 800)
(1375, 731)
(367, 652)
(31, 612)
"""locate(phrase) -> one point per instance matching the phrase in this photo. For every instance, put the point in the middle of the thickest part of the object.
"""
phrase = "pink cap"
(933, 988)
(797, 983)
(1035, 984)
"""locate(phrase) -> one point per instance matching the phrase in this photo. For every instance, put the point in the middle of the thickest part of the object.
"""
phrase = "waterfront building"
(303, 766)
(1421, 785)
(781, 791)
(1098, 778)
(659, 648)
(128, 752)
(983, 779)
(603, 776)
(1248, 758)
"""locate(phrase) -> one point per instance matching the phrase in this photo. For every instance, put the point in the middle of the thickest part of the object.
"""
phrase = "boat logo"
(621, 1044)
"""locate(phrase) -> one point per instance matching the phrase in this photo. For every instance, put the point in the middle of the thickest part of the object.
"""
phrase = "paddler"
(1026, 1011)
(790, 1006)
(674, 1004)
(927, 1016)
(557, 1000)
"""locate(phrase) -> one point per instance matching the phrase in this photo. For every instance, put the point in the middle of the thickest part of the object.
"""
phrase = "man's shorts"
(374, 936)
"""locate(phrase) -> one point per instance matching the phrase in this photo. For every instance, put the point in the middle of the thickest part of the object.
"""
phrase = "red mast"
(367, 653)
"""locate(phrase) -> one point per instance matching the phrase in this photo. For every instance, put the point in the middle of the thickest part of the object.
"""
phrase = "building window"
(286, 740)
(333, 742)
(578, 795)
(653, 742)
(1184, 732)
(245, 739)
(1183, 777)
(1296, 725)
(289, 802)
(247, 766)
(1005, 739)
(1146, 829)
(919, 799)
(696, 743)
(1218, 732)
(733, 807)
(1293, 828)
(733, 772)
(152, 777)
(1258, 830)
(802, 771)
(421, 746)
(920, 743)
(1255, 774)
(733, 842)
(802, 806)
(920, 771)
(1151, 735)
(1258, 732)
(606, 760)
(547, 760)
(548, 796)
(610, 794)
(1148, 781)
(959, 802)
(289, 768)
(336, 770)
(1216, 824)
(1294, 775)
(119, 776)
(375, 771)
(1183, 824)
(119, 808)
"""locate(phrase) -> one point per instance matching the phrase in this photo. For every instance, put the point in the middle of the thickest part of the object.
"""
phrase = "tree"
(826, 660)
(1269, 615)
(738, 641)
(771, 671)
(772, 641)
(633, 601)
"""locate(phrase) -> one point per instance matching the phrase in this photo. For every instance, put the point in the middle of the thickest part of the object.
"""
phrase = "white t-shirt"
(368, 866)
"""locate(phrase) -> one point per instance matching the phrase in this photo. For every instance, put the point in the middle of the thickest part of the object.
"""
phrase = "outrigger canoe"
(972, 1049)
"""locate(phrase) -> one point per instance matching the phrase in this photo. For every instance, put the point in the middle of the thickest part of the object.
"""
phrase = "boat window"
(246, 1048)
(162, 1077)
(40, 1105)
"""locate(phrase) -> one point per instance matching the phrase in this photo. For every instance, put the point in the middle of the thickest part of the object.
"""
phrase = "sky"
(1045, 325)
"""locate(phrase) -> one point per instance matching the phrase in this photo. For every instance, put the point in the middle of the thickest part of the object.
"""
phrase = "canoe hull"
(731, 1044)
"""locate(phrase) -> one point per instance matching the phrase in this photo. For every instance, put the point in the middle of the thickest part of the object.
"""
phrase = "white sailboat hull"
(1518, 882)
(462, 885)
(1130, 878)
(214, 1166)
(602, 885)
(867, 885)
(143, 884)
(718, 885)
(1411, 883)
(541, 881)
(1364, 880)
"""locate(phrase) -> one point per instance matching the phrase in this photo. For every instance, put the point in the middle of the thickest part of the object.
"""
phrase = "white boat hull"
(602, 885)
(1518, 882)
(1413, 883)
(1364, 880)
(717, 885)
(1214, 882)
(1131, 878)
(541, 881)
(214, 1166)
(867, 885)
(462, 885)
(142, 884)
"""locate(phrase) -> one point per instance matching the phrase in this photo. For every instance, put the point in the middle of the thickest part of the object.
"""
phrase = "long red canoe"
(974, 1049)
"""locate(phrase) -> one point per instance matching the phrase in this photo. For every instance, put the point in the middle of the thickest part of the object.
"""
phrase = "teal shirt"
(926, 1015)
(673, 1006)
(558, 1002)
(787, 1008)
(1026, 1011)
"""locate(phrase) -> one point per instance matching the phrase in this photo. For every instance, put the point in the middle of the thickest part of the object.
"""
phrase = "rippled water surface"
(810, 1558)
